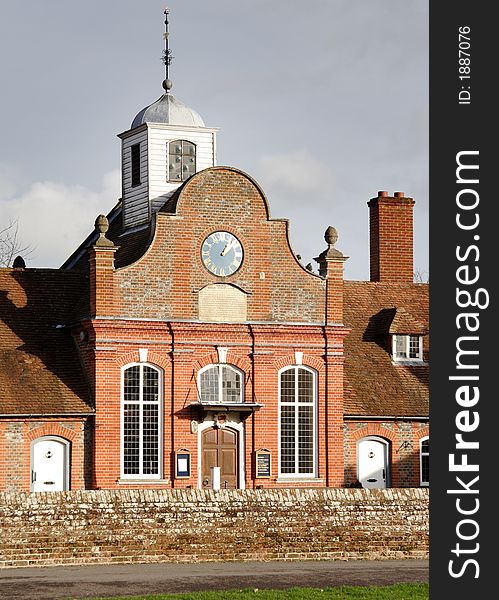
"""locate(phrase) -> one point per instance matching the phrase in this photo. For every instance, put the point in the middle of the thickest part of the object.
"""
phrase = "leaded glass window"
(297, 421)
(141, 421)
(220, 383)
(181, 160)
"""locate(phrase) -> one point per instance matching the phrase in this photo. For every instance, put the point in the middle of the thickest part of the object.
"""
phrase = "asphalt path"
(91, 581)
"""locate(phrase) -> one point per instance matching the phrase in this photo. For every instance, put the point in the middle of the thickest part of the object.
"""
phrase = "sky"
(323, 102)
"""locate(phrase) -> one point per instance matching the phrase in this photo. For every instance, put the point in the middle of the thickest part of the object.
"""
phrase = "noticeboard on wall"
(263, 463)
(182, 463)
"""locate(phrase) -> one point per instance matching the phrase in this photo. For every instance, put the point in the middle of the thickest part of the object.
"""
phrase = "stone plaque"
(222, 303)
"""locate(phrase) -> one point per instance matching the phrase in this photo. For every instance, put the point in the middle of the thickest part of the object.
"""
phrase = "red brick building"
(183, 344)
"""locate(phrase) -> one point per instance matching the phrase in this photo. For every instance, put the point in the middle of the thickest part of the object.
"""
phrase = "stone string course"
(146, 526)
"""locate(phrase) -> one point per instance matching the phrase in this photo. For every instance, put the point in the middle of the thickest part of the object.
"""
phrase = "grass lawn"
(409, 591)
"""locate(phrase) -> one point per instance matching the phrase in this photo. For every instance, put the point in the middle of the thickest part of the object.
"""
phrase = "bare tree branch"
(11, 244)
(420, 276)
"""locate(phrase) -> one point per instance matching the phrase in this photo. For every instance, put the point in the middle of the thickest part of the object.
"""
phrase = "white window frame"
(407, 338)
(140, 475)
(421, 454)
(220, 388)
(296, 475)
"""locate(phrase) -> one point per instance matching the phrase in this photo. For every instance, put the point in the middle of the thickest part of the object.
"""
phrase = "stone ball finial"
(101, 224)
(331, 253)
(331, 236)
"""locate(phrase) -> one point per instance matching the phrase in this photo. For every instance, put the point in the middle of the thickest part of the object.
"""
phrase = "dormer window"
(181, 160)
(407, 348)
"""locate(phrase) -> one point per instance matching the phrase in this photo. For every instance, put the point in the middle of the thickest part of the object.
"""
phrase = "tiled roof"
(40, 371)
(403, 322)
(131, 245)
(374, 385)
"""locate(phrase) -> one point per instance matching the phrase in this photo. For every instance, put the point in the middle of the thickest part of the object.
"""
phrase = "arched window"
(181, 160)
(141, 421)
(220, 383)
(297, 421)
(424, 460)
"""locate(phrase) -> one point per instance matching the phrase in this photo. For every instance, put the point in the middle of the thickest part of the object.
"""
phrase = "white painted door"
(372, 463)
(49, 466)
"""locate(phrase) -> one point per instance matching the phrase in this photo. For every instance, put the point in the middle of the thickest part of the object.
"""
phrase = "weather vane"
(167, 54)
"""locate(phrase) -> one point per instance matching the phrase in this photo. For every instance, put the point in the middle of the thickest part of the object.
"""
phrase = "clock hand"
(228, 247)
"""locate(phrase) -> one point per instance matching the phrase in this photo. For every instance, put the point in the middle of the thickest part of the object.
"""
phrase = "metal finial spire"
(167, 55)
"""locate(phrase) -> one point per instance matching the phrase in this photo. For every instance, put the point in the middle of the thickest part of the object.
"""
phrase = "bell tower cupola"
(166, 144)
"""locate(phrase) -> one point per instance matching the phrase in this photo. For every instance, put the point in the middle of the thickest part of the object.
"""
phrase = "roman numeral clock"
(222, 253)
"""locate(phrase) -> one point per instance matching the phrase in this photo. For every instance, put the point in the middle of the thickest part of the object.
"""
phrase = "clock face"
(222, 253)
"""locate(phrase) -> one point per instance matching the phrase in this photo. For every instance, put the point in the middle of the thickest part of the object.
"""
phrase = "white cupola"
(166, 144)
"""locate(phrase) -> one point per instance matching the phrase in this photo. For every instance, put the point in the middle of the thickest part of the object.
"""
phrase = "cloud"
(9, 181)
(313, 194)
(299, 187)
(54, 217)
(297, 171)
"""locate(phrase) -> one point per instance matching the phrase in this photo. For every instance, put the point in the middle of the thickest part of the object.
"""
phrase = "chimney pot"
(382, 194)
(399, 194)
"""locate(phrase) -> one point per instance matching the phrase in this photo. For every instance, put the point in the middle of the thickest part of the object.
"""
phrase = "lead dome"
(169, 110)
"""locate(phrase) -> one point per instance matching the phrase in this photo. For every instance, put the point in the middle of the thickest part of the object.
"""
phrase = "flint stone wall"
(146, 526)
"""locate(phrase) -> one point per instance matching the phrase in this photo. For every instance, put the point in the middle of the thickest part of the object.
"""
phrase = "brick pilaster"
(103, 300)
(331, 267)
(102, 296)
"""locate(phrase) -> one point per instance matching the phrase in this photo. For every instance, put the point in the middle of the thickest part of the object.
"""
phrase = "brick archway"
(374, 429)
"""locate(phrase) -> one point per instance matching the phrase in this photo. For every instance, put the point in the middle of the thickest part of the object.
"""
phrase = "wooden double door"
(219, 448)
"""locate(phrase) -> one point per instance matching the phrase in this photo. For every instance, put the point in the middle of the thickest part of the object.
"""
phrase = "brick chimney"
(391, 238)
